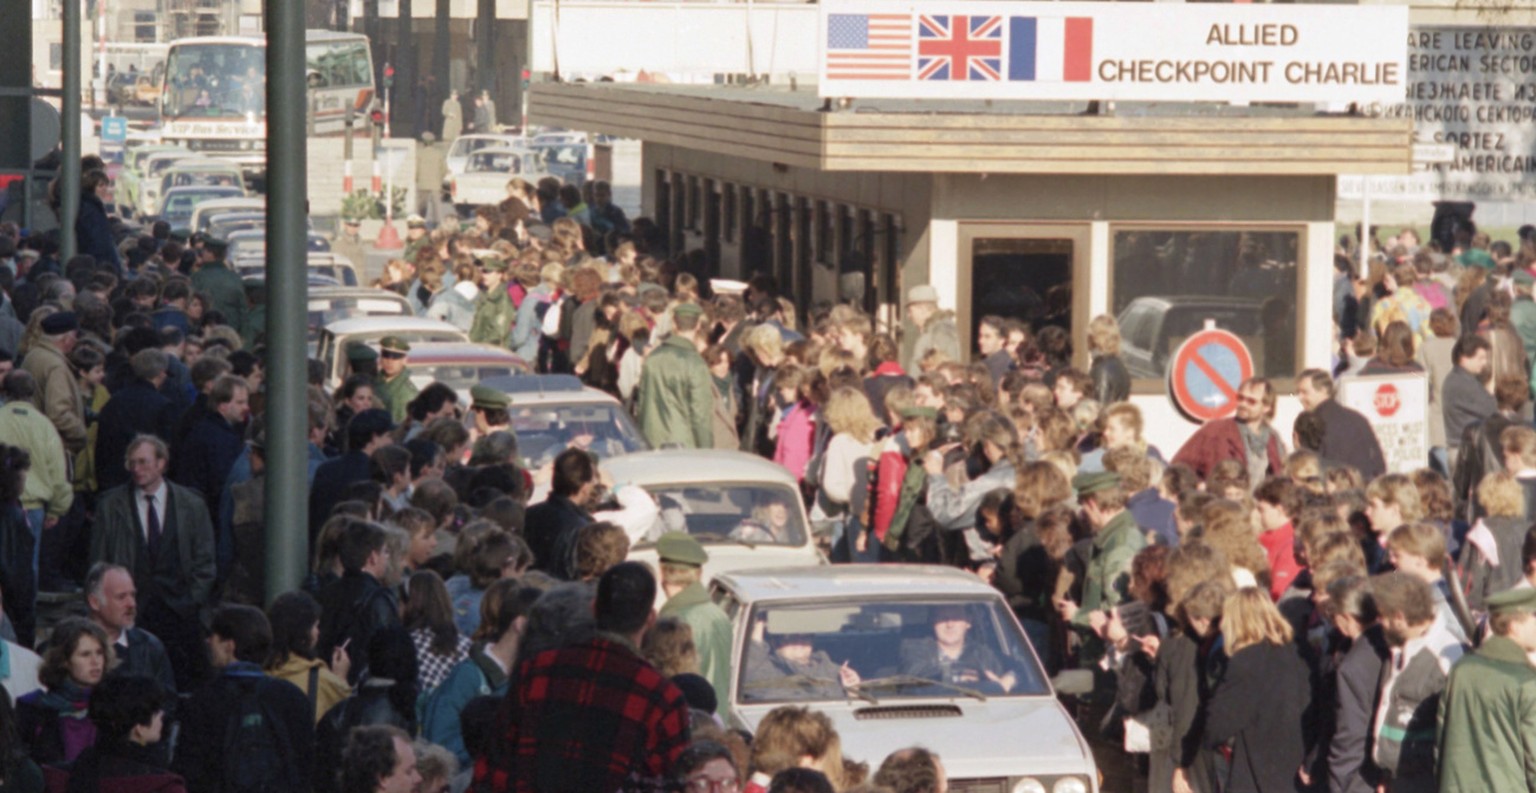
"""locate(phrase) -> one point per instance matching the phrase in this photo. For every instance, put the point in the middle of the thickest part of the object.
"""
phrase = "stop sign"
(1387, 400)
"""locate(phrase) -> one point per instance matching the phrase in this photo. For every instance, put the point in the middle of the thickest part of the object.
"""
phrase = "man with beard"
(554, 524)
(1423, 651)
(1246, 437)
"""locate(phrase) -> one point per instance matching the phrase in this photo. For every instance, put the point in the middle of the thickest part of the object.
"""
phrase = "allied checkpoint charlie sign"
(1087, 51)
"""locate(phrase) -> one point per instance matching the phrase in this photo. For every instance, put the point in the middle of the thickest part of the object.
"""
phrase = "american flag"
(869, 46)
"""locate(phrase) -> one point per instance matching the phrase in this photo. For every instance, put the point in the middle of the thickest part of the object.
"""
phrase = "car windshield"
(546, 429)
(891, 649)
(563, 158)
(324, 311)
(495, 162)
(221, 178)
(463, 147)
(213, 80)
(729, 512)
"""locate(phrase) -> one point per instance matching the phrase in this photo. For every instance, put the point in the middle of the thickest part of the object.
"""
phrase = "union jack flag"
(960, 48)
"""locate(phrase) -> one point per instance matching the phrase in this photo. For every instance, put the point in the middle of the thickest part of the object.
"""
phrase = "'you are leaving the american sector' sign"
(1113, 51)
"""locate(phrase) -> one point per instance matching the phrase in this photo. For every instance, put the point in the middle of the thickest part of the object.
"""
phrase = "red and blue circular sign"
(1206, 372)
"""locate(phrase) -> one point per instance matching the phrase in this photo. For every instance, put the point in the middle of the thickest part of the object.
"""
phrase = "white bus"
(214, 96)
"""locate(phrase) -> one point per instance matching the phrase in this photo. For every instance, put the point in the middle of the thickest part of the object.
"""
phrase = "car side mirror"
(1073, 682)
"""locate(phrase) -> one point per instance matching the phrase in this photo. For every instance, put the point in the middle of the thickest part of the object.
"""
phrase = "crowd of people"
(1262, 613)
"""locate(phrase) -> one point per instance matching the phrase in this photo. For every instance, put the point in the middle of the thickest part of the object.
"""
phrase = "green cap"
(394, 346)
(1476, 257)
(1512, 601)
(1088, 484)
(487, 398)
(1522, 277)
(918, 412)
(679, 547)
(687, 310)
(358, 351)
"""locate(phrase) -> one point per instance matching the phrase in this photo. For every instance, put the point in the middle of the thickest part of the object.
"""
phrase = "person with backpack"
(295, 620)
(386, 694)
(245, 732)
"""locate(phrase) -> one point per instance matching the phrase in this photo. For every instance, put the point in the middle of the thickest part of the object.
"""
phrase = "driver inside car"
(789, 662)
(769, 522)
(949, 658)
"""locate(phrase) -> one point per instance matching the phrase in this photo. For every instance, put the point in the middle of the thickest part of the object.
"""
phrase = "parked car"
(208, 209)
(336, 336)
(991, 713)
(745, 510)
(177, 204)
(1152, 328)
(141, 180)
(465, 145)
(551, 412)
(328, 304)
(337, 268)
(485, 177)
(461, 365)
(201, 173)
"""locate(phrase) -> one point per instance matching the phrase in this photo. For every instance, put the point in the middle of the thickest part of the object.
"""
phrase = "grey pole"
(69, 171)
(287, 485)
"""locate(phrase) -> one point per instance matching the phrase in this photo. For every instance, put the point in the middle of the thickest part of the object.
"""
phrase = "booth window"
(728, 211)
(1167, 282)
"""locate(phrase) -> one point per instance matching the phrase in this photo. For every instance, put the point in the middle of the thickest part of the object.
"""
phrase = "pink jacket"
(797, 437)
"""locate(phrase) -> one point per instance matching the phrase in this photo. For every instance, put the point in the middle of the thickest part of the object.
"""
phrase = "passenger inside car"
(770, 521)
(948, 658)
(788, 666)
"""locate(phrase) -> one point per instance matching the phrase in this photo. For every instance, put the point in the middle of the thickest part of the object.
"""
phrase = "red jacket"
(1280, 546)
(1221, 440)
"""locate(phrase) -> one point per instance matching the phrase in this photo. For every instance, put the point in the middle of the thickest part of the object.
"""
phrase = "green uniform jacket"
(396, 393)
(1488, 722)
(48, 484)
(1109, 565)
(493, 320)
(676, 396)
(711, 636)
(227, 290)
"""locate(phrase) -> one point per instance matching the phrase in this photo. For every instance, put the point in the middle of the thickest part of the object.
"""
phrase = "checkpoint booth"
(1171, 200)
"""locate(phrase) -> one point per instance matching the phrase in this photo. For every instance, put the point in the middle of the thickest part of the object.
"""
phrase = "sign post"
(1206, 373)
(1397, 406)
(114, 136)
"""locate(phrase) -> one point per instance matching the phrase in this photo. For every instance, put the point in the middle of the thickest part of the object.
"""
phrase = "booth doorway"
(1034, 274)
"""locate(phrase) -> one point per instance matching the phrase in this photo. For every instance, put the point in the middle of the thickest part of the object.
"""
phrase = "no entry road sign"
(1206, 372)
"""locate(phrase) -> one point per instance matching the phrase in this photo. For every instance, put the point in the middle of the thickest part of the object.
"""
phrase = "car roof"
(851, 581)
(206, 164)
(200, 188)
(373, 324)
(429, 353)
(368, 292)
(498, 150)
(685, 466)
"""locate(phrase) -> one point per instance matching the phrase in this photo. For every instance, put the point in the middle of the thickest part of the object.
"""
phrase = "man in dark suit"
(1350, 769)
(138, 408)
(161, 532)
(553, 524)
(1348, 438)
(366, 432)
(209, 451)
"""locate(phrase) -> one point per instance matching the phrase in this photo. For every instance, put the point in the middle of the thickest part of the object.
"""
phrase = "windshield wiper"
(806, 681)
(713, 537)
(899, 681)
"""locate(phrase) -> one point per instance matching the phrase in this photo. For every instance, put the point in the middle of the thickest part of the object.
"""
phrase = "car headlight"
(1070, 784)
(1028, 785)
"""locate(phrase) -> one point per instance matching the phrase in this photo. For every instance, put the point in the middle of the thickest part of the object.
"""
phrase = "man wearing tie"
(160, 532)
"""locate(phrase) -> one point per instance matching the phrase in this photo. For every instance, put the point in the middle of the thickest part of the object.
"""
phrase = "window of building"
(728, 211)
(1167, 282)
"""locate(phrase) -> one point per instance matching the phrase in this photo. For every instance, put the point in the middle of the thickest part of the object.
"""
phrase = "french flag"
(1050, 49)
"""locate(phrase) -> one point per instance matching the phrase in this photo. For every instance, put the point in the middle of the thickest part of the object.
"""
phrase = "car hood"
(1000, 737)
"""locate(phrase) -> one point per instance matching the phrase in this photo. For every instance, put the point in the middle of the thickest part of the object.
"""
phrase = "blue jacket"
(477, 676)
(135, 409)
(527, 330)
(93, 233)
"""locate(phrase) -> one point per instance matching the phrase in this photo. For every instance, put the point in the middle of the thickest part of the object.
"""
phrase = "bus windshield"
(215, 81)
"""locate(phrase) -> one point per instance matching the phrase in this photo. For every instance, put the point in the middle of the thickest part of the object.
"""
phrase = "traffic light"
(376, 117)
(526, 75)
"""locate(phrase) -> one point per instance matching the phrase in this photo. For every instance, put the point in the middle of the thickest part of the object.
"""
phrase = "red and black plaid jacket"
(593, 717)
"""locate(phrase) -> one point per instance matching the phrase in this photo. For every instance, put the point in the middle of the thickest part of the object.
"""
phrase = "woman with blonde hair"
(1259, 707)
(1491, 557)
(1111, 380)
(1228, 527)
(843, 464)
(795, 737)
(669, 646)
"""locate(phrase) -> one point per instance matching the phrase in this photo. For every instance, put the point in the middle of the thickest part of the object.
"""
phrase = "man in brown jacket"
(58, 390)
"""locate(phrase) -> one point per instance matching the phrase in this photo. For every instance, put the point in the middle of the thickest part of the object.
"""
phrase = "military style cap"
(688, 310)
(923, 293)
(1088, 484)
(679, 547)
(415, 222)
(487, 398)
(359, 352)
(394, 346)
(489, 260)
(1522, 277)
(215, 246)
(1513, 601)
(918, 412)
(60, 322)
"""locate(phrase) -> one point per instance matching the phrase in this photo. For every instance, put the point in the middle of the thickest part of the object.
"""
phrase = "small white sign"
(1397, 406)
(1085, 51)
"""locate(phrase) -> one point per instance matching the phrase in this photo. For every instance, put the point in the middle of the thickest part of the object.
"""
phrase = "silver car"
(904, 655)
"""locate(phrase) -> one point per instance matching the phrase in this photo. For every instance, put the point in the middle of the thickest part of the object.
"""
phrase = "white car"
(485, 176)
(465, 145)
(745, 510)
(552, 412)
(991, 714)
(335, 338)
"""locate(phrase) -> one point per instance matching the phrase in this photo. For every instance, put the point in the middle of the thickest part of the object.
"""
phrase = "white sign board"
(1397, 406)
(1470, 88)
(1113, 51)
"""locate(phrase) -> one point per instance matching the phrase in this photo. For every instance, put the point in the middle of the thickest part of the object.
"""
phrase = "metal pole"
(69, 169)
(287, 485)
